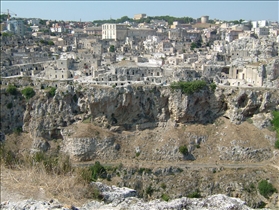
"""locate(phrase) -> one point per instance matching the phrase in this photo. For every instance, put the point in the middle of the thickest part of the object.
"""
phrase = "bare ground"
(25, 183)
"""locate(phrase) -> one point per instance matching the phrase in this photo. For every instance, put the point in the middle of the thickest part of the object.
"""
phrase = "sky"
(99, 10)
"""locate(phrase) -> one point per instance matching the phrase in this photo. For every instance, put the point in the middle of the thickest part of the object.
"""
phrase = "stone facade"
(114, 31)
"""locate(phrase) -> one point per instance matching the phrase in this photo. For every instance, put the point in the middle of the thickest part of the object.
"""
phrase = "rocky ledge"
(125, 198)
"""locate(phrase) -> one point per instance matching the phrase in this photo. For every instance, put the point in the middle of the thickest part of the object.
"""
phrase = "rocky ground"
(229, 160)
(125, 198)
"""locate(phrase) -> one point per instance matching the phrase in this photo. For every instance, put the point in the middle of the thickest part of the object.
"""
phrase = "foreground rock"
(212, 202)
(124, 198)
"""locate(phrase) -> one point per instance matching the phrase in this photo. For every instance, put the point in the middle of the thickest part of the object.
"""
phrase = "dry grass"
(37, 184)
(89, 130)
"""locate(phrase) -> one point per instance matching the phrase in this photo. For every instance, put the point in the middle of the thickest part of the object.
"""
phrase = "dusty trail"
(180, 164)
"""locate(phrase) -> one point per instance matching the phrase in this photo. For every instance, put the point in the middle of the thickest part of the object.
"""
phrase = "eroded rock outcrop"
(125, 198)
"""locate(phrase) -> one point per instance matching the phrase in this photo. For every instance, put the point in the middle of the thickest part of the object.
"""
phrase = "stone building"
(262, 31)
(114, 31)
(140, 33)
(59, 70)
(139, 16)
(252, 74)
(204, 19)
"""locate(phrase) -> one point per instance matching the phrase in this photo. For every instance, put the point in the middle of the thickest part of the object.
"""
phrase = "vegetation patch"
(17, 130)
(213, 86)
(266, 189)
(51, 91)
(165, 197)
(195, 194)
(277, 144)
(97, 171)
(183, 149)
(163, 186)
(149, 190)
(9, 105)
(28, 92)
(275, 124)
(11, 89)
(188, 87)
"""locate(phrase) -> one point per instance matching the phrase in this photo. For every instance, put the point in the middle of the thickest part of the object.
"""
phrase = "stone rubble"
(125, 198)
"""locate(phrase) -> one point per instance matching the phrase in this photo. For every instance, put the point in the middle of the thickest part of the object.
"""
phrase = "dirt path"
(181, 164)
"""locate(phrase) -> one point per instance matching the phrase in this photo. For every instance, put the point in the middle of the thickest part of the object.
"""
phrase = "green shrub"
(275, 124)
(277, 144)
(165, 197)
(28, 92)
(9, 105)
(195, 194)
(261, 205)
(52, 91)
(149, 190)
(163, 186)
(17, 130)
(249, 120)
(188, 87)
(275, 120)
(11, 89)
(97, 170)
(183, 150)
(266, 189)
(75, 98)
(213, 86)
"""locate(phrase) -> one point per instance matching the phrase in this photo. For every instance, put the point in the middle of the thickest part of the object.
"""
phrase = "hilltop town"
(139, 113)
(142, 50)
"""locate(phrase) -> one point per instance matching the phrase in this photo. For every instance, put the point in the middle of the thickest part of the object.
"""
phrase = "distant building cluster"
(118, 54)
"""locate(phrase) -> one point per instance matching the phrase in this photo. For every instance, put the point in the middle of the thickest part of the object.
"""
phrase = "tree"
(193, 45)
(11, 89)
(28, 92)
(111, 48)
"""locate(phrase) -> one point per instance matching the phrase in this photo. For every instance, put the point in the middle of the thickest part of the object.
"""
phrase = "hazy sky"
(96, 10)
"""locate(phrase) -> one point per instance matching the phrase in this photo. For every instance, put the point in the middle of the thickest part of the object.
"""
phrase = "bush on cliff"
(277, 144)
(11, 89)
(28, 92)
(188, 87)
(183, 150)
(266, 189)
(51, 91)
(275, 124)
(97, 170)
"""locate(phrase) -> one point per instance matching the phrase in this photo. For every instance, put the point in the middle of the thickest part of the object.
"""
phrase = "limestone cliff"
(130, 108)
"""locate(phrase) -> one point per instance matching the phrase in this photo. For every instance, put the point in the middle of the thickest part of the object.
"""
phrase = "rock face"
(12, 111)
(114, 194)
(125, 198)
(89, 144)
(128, 108)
